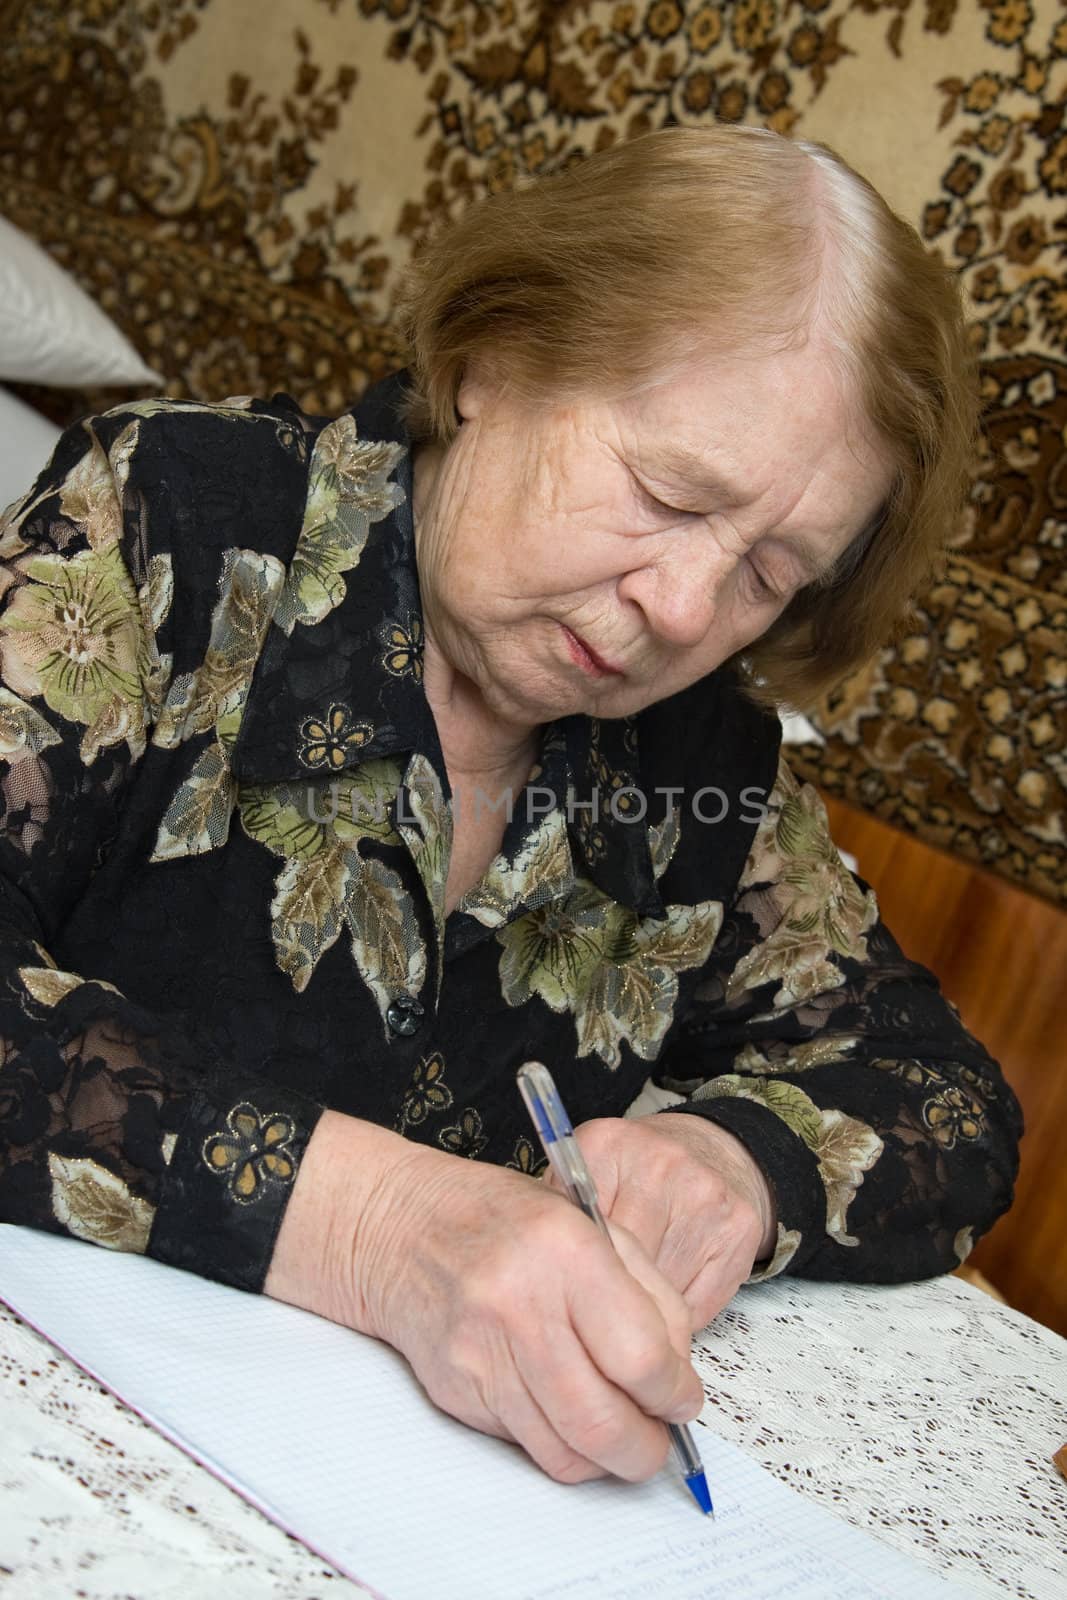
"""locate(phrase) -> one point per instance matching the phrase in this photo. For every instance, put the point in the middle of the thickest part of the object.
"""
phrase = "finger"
(646, 1213)
(592, 1419)
(497, 1401)
(636, 1329)
(526, 1422)
(668, 1297)
(714, 1286)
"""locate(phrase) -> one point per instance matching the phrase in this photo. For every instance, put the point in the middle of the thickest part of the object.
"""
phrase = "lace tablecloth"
(925, 1413)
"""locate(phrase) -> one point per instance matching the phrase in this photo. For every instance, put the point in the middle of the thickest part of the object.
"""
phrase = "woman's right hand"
(512, 1310)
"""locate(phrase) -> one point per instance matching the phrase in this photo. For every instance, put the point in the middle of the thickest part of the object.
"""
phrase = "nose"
(678, 592)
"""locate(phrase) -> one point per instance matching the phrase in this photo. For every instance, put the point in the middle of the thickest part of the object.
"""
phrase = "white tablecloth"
(925, 1413)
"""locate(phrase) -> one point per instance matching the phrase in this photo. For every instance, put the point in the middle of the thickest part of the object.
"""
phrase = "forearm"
(329, 1256)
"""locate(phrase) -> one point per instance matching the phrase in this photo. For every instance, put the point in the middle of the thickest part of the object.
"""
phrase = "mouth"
(586, 657)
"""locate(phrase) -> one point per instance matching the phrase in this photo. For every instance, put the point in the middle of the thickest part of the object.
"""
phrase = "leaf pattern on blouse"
(786, 1246)
(23, 730)
(387, 946)
(428, 838)
(308, 910)
(784, 1057)
(155, 597)
(198, 818)
(843, 1147)
(963, 1244)
(821, 910)
(212, 697)
(95, 1205)
(616, 972)
(541, 870)
(235, 408)
(348, 489)
(88, 494)
(327, 884)
(49, 986)
(298, 820)
(663, 841)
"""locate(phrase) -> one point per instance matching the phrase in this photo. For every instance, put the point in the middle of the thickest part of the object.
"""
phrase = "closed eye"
(761, 590)
(658, 506)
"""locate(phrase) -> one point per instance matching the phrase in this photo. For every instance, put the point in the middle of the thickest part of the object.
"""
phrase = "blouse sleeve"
(118, 1125)
(888, 1133)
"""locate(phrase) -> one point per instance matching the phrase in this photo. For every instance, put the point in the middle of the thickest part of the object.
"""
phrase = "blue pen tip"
(698, 1488)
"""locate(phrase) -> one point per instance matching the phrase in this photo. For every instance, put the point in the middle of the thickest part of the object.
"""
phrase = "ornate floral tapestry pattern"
(241, 185)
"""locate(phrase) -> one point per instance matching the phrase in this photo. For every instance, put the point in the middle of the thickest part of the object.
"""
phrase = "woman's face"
(600, 556)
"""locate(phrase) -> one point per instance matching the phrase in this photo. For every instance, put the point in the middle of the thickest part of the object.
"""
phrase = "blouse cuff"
(230, 1178)
(790, 1169)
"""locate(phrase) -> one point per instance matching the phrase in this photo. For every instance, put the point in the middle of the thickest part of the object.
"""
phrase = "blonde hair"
(596, 280)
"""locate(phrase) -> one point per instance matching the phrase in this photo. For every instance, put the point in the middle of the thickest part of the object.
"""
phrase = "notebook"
(330, 1435)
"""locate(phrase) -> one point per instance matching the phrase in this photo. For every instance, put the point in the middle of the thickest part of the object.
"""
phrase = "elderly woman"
(351, 763)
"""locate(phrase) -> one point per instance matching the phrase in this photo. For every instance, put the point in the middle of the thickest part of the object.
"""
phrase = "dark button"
(404, 1015)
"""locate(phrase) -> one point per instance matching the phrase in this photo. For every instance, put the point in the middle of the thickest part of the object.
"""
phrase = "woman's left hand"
(689, 1191)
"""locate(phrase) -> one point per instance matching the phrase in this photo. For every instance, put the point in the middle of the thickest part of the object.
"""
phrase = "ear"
(477, 387)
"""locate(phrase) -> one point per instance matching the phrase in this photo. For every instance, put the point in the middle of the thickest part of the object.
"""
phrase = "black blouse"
(225, 845)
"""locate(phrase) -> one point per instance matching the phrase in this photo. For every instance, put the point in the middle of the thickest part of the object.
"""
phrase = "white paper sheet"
(328, 1433)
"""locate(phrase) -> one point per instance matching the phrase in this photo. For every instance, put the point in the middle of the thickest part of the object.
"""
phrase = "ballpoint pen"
(553, 1125)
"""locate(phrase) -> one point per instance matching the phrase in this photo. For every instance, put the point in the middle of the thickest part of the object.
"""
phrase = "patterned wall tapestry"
(240, 182)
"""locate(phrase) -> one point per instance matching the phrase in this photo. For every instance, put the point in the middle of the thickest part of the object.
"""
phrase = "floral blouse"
(226, 837)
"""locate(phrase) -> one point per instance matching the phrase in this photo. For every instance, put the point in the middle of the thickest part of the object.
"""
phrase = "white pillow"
(26, 442)
(50, 331)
